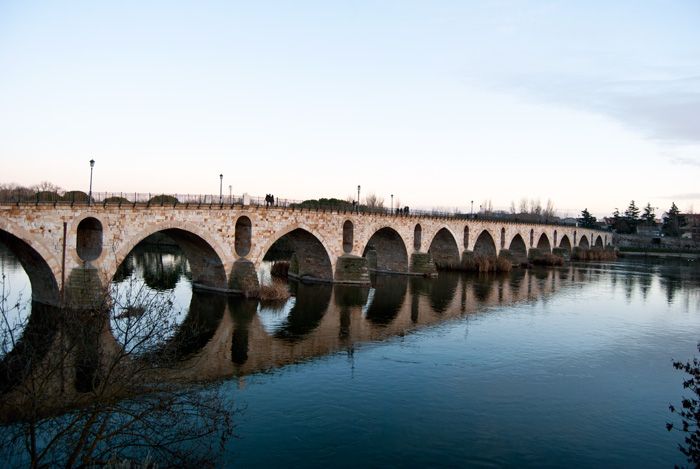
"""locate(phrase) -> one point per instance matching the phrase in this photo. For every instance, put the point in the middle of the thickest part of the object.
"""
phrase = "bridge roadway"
(69, 250)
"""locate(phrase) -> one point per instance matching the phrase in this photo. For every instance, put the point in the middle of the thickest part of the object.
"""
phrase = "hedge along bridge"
(70, 249)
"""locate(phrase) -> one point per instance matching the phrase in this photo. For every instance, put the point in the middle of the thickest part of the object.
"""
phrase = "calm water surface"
(540, 368)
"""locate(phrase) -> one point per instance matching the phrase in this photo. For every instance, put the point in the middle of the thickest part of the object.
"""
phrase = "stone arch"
(312, 257)
(88, 244)
(598, 242)
(390, 251)
(243, 236)
(348, 237)
(584, 242)
(485, 244)
(466, 237)
(44, 284)
(443, 249)
(205, 262)
(565, 243)
(417, 237)
(543, 243)
(503, 238)
(518, 248)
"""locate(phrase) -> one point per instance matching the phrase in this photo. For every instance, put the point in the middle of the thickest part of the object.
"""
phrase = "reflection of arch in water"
(200, 324)
(31, 347)
(161, 265)
(311, 304)
(41, 277)
(385, 303)
(390, 250)
(518, 248)
(443, 249)
(442, 291)
(243, 312)
(484, 244)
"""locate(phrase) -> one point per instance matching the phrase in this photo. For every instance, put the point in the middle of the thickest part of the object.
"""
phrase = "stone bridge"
(68, 249)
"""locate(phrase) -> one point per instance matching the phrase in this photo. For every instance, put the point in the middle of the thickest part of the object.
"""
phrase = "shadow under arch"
(485, 244)
(598, 242)
(312, 259)
(565, 243)
(518, 248)
(43, 282)
(312, 301)
(199, 326)
(385, 304)
(443, 249)
(390, 249)
(583, 243)
(543, 243)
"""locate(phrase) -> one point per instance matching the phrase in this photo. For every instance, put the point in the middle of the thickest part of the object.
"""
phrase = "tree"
(689, 411)
(673, 222)
(83, 386)
(587, 220)
(648, 217)
(632, 217)
(373, 202)
(620, 223)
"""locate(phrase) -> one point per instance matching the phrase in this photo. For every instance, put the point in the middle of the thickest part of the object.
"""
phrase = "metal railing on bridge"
(58, 198)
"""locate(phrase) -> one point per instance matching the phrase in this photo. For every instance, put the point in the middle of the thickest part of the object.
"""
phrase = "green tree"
(632, 217)
(620, 224)
(648, 216)
(587, 220)
(673, 222)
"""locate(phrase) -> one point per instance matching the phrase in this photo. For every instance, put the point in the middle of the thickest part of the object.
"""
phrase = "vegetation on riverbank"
(549, 260)
(594, 255)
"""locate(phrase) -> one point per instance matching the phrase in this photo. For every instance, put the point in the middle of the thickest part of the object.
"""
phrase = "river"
(554, 367)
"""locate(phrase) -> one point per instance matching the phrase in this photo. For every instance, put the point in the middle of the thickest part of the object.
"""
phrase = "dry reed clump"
(594, 255)
(276, 291)
(487, 264)
(549, 260)
(280, 269)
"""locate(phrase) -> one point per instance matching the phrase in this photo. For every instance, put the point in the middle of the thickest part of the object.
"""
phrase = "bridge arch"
(484, 244)
(312, 255)
(443, 248)
(583, 243)
(390, 249)
(43, 280)
(598, 242)
(543, 243)
(565, 243)
(203, 253)
(518, 248)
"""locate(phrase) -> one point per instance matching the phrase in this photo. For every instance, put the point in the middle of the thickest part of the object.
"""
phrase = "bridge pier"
(352, 269)
(422, 264)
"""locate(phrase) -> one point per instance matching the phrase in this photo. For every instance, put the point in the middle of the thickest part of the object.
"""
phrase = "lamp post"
(230, 198)
(92, 165)
(392, 203)
(221, 186)
(471, 212)
(358, 199)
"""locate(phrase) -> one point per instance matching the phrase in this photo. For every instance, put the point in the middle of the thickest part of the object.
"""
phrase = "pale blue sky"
(589, 103)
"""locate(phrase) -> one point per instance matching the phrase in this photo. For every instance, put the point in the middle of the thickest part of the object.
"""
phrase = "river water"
(567, 366)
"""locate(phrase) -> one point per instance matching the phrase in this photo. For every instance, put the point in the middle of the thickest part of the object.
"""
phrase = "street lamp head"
(221, 176)
(92, 163)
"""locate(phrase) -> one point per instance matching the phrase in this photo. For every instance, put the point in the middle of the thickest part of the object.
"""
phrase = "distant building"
(691, 230)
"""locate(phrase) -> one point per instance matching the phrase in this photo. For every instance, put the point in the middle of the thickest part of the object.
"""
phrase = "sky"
(439, 103)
